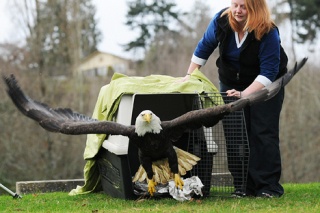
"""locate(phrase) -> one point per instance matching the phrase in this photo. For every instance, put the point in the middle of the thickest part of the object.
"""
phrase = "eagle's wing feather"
(62, 120)
(68, 122)
(211, 116)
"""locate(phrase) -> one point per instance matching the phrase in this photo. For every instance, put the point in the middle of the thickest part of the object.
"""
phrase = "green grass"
(297, 198)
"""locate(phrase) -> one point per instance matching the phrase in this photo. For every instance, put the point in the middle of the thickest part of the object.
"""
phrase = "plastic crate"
(115, 174)
(118, 167)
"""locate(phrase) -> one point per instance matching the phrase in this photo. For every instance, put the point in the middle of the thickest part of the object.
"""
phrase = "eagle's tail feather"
(186, 155)
(139, 174)
(162, 171)
(185, 164)
(182, 171)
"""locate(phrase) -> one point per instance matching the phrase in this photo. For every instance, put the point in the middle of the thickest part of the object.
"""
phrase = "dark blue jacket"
(253, 54)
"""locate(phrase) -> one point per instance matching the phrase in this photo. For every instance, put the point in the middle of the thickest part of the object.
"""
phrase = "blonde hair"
(258, 20)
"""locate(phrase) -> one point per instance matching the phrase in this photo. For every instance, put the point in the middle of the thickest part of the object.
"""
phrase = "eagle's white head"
(147, 122)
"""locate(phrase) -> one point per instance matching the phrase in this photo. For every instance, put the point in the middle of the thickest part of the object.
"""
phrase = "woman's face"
(239, 11)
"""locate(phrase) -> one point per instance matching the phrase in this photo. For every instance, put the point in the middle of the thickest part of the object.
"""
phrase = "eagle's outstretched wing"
(211, 116)
(62, 120)
(68, 122)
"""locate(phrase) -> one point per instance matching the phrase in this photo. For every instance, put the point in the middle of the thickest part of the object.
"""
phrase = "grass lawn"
(297, 198)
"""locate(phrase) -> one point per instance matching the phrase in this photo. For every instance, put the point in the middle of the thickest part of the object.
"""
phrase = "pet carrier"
(222, 148)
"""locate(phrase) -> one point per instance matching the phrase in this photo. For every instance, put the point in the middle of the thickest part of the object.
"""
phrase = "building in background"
(104, 64)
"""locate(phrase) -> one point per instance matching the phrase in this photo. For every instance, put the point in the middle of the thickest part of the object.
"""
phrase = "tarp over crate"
(107, 105)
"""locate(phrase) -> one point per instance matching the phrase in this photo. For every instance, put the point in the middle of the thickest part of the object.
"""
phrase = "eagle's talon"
(178, 181)
(151, 186)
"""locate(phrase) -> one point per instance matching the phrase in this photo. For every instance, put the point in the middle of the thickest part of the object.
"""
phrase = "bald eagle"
(152, 136)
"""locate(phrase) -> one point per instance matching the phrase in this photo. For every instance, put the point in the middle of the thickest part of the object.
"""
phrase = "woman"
(250, 58)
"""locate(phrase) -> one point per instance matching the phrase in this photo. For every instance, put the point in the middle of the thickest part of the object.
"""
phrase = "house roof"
(97, 52)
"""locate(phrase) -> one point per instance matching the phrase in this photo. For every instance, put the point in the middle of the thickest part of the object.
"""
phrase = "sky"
(111, 18)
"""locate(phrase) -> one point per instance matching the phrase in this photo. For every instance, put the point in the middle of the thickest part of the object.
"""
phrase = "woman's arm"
(255, 86)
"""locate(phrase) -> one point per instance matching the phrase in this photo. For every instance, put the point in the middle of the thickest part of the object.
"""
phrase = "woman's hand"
(191, 68)
(185, 78)
(234, 92)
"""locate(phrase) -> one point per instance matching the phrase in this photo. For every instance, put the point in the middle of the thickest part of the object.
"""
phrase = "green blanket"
(107, 105)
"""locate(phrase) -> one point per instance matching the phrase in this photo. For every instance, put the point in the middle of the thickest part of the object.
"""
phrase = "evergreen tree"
(305, 15)
(152, 18)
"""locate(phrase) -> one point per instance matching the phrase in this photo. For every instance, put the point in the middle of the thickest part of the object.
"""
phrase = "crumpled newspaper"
(192, 186)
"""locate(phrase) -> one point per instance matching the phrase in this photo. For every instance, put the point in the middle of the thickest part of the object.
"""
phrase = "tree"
(151, 17)
(59, 33)
(170, 52)
(305, 15)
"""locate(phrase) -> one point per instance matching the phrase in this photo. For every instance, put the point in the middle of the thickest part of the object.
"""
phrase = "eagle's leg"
(178, 181)
(147, 165)
(173, 163)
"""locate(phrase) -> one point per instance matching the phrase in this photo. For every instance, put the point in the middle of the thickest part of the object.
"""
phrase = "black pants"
(264, 169)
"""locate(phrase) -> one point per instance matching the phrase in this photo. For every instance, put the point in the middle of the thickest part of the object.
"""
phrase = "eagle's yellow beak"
(147, 117)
